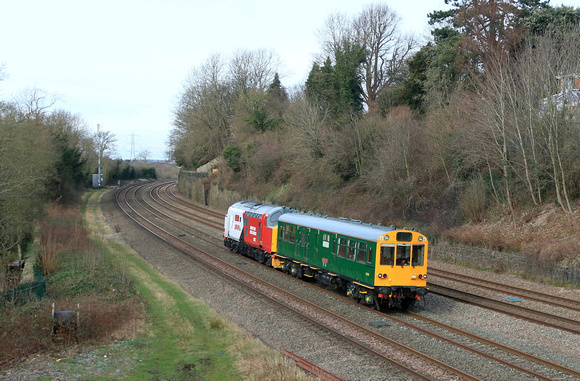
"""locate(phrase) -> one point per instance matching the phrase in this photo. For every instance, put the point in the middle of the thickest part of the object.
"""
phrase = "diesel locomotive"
(376, 265)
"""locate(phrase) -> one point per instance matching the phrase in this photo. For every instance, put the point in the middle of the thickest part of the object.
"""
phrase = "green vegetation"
(134, 323)
(80, 277)
(478, 125)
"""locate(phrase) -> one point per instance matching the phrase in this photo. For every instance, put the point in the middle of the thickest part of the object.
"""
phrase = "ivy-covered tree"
(322, 88)
(74, 147)
(337, 88)
(538, 21)
(347, 71)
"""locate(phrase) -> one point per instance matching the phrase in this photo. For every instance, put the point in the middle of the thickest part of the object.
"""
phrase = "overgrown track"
(163, 195)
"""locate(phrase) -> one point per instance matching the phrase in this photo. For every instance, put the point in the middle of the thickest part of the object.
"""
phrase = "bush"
(233, 156)
(81, 278)
(473, 201)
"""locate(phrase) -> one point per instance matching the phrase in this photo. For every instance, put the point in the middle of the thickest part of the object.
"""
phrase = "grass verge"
(184, 338)
(135, 323)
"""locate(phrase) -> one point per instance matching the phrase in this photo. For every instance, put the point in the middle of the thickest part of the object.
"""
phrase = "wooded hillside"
(480, 121)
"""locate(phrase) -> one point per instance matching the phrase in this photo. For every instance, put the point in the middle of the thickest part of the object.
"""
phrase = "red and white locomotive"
(250, 226)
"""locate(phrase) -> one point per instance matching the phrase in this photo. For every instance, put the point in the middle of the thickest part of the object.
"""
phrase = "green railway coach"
(377, 265)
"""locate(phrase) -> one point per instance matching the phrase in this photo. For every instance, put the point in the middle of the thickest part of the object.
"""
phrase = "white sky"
(122, 63)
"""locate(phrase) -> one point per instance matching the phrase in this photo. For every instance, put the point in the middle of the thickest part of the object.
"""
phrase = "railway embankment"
(199, 187)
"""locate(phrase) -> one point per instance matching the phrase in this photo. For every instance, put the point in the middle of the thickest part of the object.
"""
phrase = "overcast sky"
(122, 63)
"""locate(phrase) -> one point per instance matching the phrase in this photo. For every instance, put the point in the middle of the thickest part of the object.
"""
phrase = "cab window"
(418, 255)
(403, 255)
(387, 254)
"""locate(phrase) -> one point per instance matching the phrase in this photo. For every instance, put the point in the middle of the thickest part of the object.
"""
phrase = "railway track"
(164, 196)
(549, 319)
(367, 340)
(500, 288)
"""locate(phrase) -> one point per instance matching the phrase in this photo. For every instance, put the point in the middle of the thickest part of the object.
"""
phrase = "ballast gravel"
(283, 331)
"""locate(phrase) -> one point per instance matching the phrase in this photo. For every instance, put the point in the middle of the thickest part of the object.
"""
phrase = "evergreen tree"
(348, 78)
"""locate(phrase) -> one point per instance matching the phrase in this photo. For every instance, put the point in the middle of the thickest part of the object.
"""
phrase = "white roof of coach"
(273, 211)
(342, 226)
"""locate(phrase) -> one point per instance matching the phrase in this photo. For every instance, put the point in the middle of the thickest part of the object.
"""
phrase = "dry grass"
(79, 278)
(546, 234)
(60, 231)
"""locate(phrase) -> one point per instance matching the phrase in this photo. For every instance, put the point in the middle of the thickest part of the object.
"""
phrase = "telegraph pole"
(100, 153)
(98, 182)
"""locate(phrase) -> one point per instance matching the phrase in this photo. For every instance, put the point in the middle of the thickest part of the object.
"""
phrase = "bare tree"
(387, 51)
(3, 73)
(144, 155)
(523, 125)
(27, 156)
(376, 30)
(307, 141)
(105, 143)
(33, 103)
(253, 69)
(203, 114)
(206, 107)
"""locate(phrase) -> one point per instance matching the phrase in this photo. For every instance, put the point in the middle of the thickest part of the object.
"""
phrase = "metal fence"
(25, 293)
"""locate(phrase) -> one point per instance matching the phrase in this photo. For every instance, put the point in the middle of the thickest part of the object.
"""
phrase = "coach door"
(303, 244)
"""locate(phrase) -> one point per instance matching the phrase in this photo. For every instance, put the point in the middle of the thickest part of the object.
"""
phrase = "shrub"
(473, 201)
(233, 156)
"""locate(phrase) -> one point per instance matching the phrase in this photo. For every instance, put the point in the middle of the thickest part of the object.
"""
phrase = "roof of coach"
(258, 207)
(247, 205)
(342, 226)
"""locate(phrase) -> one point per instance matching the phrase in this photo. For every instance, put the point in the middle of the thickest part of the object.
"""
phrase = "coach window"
(350, 250)
(387, 254)
(341, 249)
(292, 238)
(403, 255)
(370, 255)
(418, 255)
(326, 241)
(361, 254)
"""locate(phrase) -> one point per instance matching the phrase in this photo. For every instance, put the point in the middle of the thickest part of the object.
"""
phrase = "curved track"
(376, 344)
(181, 214)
